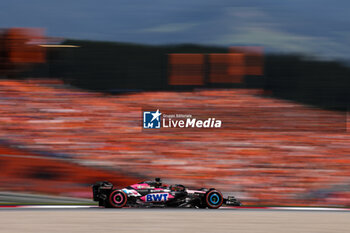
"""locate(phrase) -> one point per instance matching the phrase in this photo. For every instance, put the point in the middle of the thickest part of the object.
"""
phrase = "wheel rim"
(118, 198)
(214, 199)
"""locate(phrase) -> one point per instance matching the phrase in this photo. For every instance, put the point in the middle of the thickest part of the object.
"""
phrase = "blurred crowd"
(268, 151)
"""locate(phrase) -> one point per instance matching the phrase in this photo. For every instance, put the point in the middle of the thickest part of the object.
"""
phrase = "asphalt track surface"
(172, 220)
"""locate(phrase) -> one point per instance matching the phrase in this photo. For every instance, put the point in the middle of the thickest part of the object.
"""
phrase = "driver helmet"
(158, 182)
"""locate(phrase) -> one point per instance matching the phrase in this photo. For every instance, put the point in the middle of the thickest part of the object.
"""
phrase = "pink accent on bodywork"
(195, 191)
(134, 192)
(140, 186)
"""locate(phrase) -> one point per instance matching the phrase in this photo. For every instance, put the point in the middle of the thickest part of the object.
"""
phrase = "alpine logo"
(157, 197)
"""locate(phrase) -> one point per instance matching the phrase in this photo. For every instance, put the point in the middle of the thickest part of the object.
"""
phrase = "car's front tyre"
(213, 199)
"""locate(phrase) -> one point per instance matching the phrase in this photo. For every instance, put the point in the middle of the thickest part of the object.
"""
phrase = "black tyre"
(101, 202)
(213, 199)
(117, 199)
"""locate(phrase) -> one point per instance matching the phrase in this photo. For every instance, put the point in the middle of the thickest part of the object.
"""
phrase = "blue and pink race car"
(155, 194)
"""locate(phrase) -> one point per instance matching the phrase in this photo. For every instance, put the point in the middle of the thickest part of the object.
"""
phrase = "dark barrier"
(115, 67)
(121, 66)
(322, 83)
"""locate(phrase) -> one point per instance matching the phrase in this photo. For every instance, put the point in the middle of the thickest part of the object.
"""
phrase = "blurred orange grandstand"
(59, 140)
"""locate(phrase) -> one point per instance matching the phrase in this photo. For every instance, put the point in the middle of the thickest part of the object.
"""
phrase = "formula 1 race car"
(156, 194)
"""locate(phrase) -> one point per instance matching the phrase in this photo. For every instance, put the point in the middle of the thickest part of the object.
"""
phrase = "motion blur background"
(275, 72)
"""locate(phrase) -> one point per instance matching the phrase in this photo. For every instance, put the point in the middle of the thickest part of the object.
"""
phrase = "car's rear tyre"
(117, 199)
(213, 199)
(101, 203)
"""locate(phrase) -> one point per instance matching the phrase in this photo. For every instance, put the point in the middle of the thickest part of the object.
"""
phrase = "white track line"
(57, 206)
(310, 208)
(49, 206)
(290, 208)
(242, 207)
